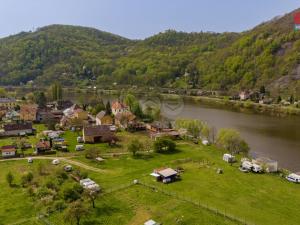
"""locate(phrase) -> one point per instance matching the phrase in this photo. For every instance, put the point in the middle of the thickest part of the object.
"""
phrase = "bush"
(164, 145)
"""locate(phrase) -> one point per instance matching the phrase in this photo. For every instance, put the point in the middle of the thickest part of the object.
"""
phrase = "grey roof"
(167, 172)
(7, 100)
(100, 115)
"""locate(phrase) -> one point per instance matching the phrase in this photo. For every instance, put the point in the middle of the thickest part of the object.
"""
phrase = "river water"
(272, 137)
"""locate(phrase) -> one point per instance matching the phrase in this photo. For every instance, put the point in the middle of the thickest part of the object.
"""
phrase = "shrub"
(162, 145)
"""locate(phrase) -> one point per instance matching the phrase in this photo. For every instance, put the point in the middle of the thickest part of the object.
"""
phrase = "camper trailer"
(228, 158)
(294, 177)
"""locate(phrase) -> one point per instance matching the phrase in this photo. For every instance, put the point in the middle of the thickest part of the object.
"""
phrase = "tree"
(262, 90)
(10, 178)
(70, 194)
(40, 99)
(76, 212)
(279, 99)
(92, 196)
(162, 145)
(135, 146)
(57, 92)
(3, 93)
(292, 99)
(193, 127)
(26, 179)
(108, 108)
(92, 153)
(231, 140)
(130, 101)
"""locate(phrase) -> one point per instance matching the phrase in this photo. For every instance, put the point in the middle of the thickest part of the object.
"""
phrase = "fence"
(45, 219)
(196, 203)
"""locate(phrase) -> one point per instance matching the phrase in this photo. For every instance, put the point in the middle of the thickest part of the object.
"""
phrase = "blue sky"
(138, 19)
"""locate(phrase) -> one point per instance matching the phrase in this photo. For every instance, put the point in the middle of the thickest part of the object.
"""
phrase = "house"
(119, 107)
(63, 104)
(42, 146)
(28, 112)
(69, 112)
(123, 119)
(11, 115)
(80, 114)
(158, 127)
(16, 129)
(9, 103)
(8, 151)
(98, 134)
(244, 95)
(103, 119)
(269, 165)
(228, 158)
(173, 134)
(166, 175)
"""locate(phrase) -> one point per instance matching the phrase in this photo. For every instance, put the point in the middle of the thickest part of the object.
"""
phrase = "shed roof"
(167, 172)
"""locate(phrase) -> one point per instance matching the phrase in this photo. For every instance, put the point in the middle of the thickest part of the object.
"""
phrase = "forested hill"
(268, 55)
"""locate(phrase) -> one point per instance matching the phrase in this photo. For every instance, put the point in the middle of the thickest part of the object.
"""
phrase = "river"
(272, 137)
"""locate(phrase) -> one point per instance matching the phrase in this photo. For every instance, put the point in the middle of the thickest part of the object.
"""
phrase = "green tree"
(57, 92)
(10, 178)
(92, 196)
(231, 140)
(108, 108)
(135, 146)
(75, 212)
(40, 99)
(164, 145)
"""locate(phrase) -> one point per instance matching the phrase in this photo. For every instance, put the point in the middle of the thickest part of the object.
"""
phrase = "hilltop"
(267, 55)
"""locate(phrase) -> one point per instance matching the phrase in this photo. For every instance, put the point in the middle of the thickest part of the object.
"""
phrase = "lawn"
(256, 198)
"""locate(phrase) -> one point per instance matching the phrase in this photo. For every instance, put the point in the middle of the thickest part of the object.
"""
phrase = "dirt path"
(62, 159)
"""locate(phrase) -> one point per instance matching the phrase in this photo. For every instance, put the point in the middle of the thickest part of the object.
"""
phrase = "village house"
(158, 127)
(11, 116)
(9, 103)
(98, 134)
(244, 95)
(80, 114)
(18, 129)
(69, 112)
(28, 112)
(123, 119)
(8, 151)
(42, 146)
(103, 119)
(119, 107)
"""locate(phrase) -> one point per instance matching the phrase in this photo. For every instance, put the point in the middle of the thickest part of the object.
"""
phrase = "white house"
(8, 151)
(119, 107)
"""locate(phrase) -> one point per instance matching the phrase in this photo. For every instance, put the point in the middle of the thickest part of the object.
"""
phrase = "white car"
(79, 148)
(55, 162)
(293, 177)
(68, 168)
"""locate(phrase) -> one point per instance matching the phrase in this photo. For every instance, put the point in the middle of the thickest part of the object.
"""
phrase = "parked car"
(68, 168)
(55, 162)
(79, 139)
(79, 148)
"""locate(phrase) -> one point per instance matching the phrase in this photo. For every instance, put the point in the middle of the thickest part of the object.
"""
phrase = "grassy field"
(256, 198)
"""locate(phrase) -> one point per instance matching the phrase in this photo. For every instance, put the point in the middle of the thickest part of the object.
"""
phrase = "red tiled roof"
(8, 148)
(119, 105)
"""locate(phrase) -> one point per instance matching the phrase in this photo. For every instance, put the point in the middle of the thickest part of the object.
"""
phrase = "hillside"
(268, 55)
